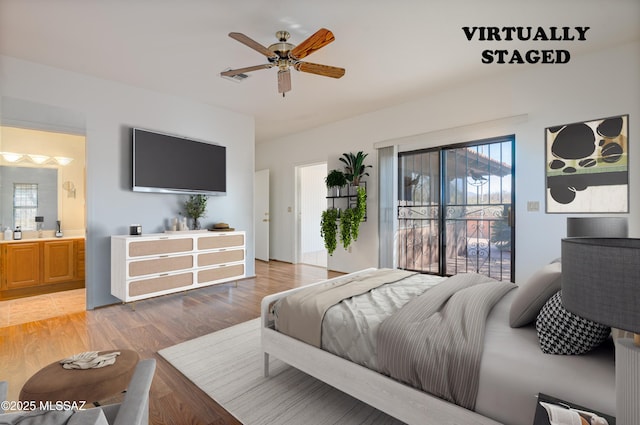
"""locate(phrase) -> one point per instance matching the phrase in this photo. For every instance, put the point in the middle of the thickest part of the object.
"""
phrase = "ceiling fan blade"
(232, 72)
(321, 38)
(284, 81)
(324, 70)
(249, 42)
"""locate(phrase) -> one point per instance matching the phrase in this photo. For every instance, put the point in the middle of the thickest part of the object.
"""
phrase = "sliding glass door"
(455, 209)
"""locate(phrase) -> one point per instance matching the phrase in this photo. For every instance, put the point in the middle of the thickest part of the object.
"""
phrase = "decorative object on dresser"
(600, 282)
(195, 207)
(157, 264)
(221, 227)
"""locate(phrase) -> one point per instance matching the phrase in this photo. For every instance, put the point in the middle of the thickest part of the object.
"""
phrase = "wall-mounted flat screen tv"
(172, 164)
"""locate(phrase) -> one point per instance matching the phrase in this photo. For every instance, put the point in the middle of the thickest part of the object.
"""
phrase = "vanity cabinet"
(158, 264)
(21, 265)
(58, 261)
(34, 267)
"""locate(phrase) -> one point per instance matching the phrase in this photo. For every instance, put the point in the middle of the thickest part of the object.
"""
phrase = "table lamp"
(601, 282)
(597, 227)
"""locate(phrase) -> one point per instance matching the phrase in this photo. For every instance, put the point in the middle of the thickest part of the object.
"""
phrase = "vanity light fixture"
(35, 158)
(11, 157)
(62, 160)
(38, 159)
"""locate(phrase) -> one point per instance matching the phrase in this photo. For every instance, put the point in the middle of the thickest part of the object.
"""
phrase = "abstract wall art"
(587, 169)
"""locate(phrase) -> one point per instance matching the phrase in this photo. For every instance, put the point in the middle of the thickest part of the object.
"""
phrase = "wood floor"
(154, 324)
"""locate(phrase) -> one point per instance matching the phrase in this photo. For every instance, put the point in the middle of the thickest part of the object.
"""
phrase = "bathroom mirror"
(42, 163)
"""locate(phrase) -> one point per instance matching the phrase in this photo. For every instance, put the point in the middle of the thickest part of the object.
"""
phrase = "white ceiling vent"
(237, 77)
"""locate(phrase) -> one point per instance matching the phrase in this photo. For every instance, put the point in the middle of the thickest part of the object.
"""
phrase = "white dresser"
(157, 264)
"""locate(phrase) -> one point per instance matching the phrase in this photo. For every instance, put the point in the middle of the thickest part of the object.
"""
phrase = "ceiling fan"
(285, 55)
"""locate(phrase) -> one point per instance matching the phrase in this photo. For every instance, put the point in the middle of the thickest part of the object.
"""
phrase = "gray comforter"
(435, 341)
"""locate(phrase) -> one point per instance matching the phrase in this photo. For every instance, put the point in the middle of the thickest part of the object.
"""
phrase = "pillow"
(531, 296)
(562, 332)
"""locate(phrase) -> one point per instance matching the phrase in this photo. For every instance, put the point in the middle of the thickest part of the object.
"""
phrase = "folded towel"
(89, 360)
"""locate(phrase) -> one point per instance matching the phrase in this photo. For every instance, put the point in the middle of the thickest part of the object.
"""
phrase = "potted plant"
(195, 207)
(337, 179)
(355, 167)
(329, 229)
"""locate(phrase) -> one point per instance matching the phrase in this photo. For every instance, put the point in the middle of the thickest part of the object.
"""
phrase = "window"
(25, 205)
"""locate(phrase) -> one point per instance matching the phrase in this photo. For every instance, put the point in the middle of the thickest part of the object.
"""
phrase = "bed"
(512, 367)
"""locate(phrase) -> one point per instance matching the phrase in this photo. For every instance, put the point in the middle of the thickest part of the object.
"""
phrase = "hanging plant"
(346, 225)
(329, 229)
(359, 212)
(355, 167)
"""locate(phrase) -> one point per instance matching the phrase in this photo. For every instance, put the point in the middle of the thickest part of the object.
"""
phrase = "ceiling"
(393, 52)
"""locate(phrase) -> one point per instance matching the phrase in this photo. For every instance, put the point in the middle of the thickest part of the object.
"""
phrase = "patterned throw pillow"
(562, 332)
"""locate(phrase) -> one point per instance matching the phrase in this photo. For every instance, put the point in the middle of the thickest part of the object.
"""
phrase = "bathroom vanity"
(39, 266)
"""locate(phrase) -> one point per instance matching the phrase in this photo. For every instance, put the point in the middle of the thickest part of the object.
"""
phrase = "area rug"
(227, 365)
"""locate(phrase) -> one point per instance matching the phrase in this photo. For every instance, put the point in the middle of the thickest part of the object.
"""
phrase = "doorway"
(455, 209)
(310, 202)
(44, 139)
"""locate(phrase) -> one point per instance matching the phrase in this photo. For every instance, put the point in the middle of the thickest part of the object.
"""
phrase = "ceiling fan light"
(63, 160)
(12, 157)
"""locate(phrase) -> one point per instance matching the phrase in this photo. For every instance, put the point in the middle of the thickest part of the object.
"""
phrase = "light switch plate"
(533, 206)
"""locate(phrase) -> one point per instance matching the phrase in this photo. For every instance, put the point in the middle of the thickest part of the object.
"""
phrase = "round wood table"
(55, 383)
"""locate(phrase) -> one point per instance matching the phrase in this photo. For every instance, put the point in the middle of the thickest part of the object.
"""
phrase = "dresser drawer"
(160, 265)
(220, 257)
(219, 273)
(220, 241)
(160, 284)
(160, 246)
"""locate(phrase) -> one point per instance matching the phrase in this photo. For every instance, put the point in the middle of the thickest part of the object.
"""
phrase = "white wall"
(547, 95)
(111, 109)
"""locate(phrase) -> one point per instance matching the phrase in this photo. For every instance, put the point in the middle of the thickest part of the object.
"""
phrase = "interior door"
(261, 214)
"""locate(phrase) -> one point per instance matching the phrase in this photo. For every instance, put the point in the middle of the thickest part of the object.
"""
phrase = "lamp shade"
(597, 227)
(601, 280)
